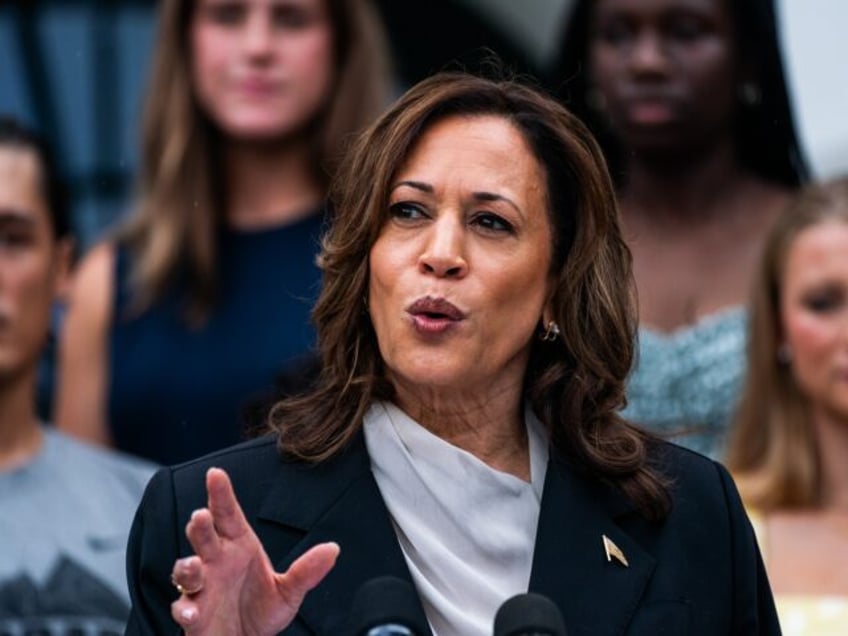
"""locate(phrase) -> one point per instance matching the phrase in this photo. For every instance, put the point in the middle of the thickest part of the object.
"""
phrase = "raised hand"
(229, 586)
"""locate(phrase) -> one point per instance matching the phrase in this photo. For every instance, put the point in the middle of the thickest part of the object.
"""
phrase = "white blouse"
(467, 531)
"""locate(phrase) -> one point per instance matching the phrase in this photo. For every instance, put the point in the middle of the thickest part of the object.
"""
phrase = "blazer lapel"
(337, 501)
(570, 566)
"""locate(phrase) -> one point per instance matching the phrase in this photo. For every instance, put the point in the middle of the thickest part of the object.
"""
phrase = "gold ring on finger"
(181, 589)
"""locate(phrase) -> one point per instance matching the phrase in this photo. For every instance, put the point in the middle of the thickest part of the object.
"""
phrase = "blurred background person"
(689, 102)
(204, 294)
(789, 448)
(66, 506)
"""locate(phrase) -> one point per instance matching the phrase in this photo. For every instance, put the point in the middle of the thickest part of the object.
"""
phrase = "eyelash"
(487, 221)
(821, 304)
(677, 28)
(404, 210)
(226, 13)
(13, 239)
(615, 32)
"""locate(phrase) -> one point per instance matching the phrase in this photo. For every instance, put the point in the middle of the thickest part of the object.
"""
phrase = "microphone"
(386, 606)
(529, 615)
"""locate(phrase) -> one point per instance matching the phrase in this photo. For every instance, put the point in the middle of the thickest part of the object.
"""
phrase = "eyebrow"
(418, 185)
(478, 196)
(11, 215)
(491, 196)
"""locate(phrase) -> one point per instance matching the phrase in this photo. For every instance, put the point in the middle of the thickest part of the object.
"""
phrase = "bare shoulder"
(92, 286)
(83, 365)
(803, 547)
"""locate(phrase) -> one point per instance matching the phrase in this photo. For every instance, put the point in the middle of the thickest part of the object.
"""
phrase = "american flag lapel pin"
(613, 551)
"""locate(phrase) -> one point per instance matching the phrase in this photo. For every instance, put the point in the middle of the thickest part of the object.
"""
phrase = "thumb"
(306, 572)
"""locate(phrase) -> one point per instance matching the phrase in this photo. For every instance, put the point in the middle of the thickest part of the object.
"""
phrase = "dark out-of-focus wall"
(75, 69)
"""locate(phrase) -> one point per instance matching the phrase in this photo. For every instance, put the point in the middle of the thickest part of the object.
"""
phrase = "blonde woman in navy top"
(204, 293)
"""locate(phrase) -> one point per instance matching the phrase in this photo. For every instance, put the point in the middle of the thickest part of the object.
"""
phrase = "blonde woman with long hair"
(789, 449)
(204, 294)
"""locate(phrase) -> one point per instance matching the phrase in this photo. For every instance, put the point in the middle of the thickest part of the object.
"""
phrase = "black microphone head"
(527, 614)
(385, 602)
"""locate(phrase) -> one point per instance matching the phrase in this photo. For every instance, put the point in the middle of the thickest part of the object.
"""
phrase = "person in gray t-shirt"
(65, 507)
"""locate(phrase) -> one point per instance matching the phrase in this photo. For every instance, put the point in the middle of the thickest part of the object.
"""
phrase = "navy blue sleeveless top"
(176, 391)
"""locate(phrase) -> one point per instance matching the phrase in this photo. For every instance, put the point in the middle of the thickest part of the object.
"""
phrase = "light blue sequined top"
(686, 384)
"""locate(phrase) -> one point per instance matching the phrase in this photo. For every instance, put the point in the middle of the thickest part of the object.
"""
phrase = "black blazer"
(698, 572)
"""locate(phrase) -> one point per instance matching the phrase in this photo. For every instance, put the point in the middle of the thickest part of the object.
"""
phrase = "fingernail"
(189, 614)
(195, 513)
(335, 545)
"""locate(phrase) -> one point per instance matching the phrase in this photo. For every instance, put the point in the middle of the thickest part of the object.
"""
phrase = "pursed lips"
(433, 315)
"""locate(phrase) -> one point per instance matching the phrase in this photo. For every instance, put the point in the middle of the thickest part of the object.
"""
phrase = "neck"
(682, 189)
(493, 430)
(20, 433)
(832, 434)
(270, 184)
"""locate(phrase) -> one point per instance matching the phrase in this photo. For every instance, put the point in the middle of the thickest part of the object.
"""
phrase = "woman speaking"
(476, 327)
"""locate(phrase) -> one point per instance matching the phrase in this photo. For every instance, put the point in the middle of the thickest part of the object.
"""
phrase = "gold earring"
(551, 332)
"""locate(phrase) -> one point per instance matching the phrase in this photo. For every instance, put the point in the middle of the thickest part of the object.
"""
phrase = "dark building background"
(76, 71)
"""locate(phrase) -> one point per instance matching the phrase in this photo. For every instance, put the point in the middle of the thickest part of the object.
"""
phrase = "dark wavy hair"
(576, 383)
(766, 140)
